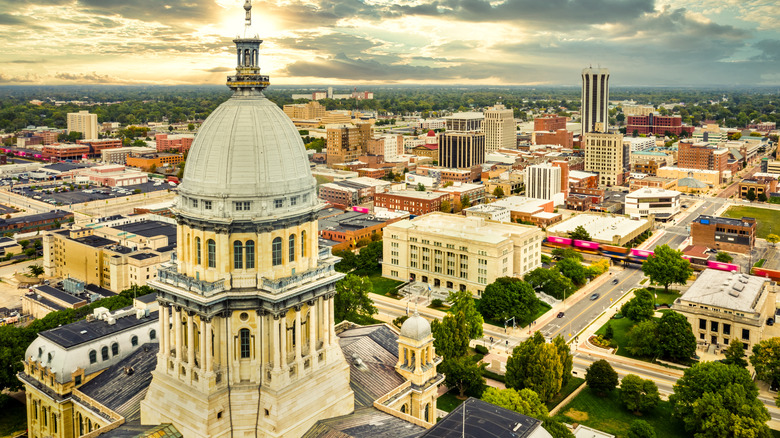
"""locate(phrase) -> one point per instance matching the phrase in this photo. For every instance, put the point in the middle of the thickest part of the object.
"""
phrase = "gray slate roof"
(483, 420)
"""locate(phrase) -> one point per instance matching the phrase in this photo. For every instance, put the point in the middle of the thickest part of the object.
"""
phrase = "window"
(250, 254)
(276, 251)
(726, 329)
(238, 255)
(303, 243)
(114, 349)
(92, 356)
(703, 324)
(104, 353)
(291, 247)
(207, 205)
(212, 253)
(278, 203)
(134, 341)
(714, 326)
(77, 380)
(242, 205)
(294, 200)
(197, 250)
(745, 334)
(153, 335)
(244, 335)
(194, 203)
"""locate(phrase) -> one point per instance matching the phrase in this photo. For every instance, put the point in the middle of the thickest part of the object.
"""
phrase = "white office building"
(499, 129)
(661, 203)
(543, 181)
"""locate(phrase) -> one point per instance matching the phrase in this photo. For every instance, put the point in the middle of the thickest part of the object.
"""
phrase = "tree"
(153, 168)
(717, 400)
(567, 360)
(465, 201)
(766, 360)
(509, 297)
(675, 337)
(666, 266)
(420, 187)
(642, 339)
(446, 207)
(573, 270)
(352, 301)
(639, 308)
(523, 401)
(724, 257)
(191, 127)
(450, 336)
(609, 332)
(638, 394)
(601, 377)
(580, 233)
(536, 365)
(751, 194)
(463, 302)
(640, 429)
(762, 197)
(36, 270)
(565, 253)
(735, 354)
(465, 375)
(551, 282)
(556, 428)
(773, 239)
(498, 192)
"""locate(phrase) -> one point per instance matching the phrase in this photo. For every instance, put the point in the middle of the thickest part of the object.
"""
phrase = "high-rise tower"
(247, 341)
(499, 128)
(595, 100)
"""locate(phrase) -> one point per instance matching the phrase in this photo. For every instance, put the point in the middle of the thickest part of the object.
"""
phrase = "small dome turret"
(416, 328)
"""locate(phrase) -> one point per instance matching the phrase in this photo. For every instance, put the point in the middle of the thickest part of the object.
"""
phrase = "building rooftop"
(706, 220)
(348, 221)
(150, 229)
(460, 188)
(85, 331)
(650, 192)
(58, 294)
(95, 241)
(600, 228)
(143, 256)
(475, 418)
(465, 115)
(417, 195)
(475, 229)
(47, 216)
(727, 290)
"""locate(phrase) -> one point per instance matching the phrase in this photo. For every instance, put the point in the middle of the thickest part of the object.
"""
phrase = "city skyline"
(342, 42)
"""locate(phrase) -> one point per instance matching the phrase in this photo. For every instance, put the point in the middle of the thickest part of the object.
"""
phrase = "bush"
(481, 349)
(437, 303)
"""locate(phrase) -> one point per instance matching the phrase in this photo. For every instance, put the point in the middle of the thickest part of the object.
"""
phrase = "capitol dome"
(416, 328)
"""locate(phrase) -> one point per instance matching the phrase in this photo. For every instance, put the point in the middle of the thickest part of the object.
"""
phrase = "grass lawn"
(383, 286)
(609, 415)
(768, 220)
(664, 297)
(447, 402)
(574, 383)
(759, 263)
(13, 418)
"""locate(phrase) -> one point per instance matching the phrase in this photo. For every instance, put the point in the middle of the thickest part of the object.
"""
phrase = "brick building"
(560, 137)
(96, 146)
(146, 161)
(549, 122)
(656, 124)
(416, 203)
(65, 151)
(701, 155)
(760, 185)
(346, 142)
(724, 234)
(178, 143)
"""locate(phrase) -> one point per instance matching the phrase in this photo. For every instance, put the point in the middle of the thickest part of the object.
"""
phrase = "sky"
(370, 42)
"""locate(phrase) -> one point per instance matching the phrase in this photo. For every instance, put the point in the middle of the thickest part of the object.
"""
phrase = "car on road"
(770, 321)
(594, 297)
(615, 281)
(561, 314)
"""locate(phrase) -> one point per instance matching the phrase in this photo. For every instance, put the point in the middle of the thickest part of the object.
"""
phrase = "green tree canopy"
(735, 354)
(565, 253)
(446, 206)
(773, 239)
(601, 377)
(718, 400)
(352, 301)
(751, 194)
(667, 267)
(464, 374)
(766, 359)
(580, 233)
(639, 308)
(524, 401)
(498, 192)
(556, 428)
(551, 282)
(463, 302)
(642, 339)
(536, 365)
(36, 270)
(638, 395)
(450, 336)
(509, 297)
(573, 270)
(675, 337)
(640, 429)
(724, 257)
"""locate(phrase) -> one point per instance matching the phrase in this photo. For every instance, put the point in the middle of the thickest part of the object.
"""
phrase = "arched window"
(238, 255)
(92, 356)
(49, 358)
(134, 341)
(114, 349)
(104, 353)
(276, 251)
(403, 409)
(292, 247)
(244, 335)
(250, 254)
(212, 253)
(81, 425)
(89, 425)
(197, 250)
(428, 412)
(303, 243)
(40, 353)
(153, 335)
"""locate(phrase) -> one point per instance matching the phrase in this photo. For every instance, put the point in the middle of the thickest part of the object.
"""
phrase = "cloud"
(92, 78)
(770, 50)
(27, 78)
(219, 69)
(326, 43)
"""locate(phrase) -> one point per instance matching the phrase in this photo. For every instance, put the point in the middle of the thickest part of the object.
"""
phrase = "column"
(325, 318)
(275, 342)
(177, 331)
(283, 339)
(313, 333)
(165, 334)
(190, 339)
(298, 337)
(202, 345)
(331, 321)
(209, 346)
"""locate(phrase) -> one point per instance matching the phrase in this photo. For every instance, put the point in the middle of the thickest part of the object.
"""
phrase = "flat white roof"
(603, 228)
(466, 115)
(472, 228)
(650, 192)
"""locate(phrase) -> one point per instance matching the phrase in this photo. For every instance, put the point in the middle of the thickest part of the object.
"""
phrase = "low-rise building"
(349, 227)
(603, 228)
(34, 222)
(119, 155)
(710, 177)
(661, 203)
(723, 306)
(180, 143)
(760, 184)
(459, 253)
(724, 234)
(147, 162)
(414, 202)
(489, 211)
(653, 182)
(475, 193)
(111, 175)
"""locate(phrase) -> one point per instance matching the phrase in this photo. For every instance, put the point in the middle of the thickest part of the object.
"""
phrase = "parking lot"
(58, 193)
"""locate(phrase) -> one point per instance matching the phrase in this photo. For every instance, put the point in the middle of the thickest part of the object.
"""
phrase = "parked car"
(770, 321)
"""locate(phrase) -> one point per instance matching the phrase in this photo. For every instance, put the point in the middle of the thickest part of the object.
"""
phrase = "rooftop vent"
(733, 293)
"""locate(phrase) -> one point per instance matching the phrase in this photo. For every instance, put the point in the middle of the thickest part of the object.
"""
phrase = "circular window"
(244, 316)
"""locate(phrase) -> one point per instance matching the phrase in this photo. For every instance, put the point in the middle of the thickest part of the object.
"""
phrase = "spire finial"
(248, 9)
